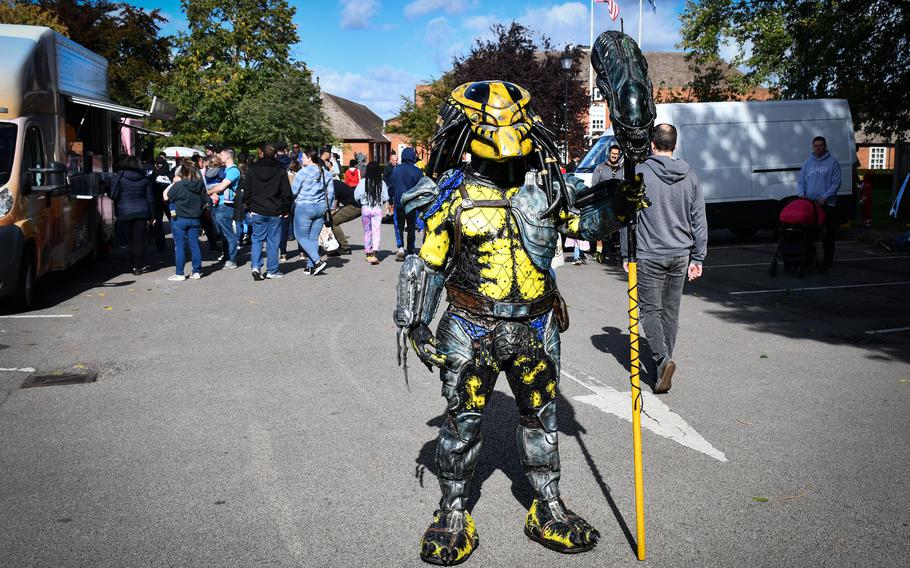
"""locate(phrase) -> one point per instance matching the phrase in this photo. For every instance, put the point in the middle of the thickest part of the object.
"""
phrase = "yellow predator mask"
(499, 116)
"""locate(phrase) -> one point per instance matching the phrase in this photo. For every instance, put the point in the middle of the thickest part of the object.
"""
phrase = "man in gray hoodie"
(672, 239)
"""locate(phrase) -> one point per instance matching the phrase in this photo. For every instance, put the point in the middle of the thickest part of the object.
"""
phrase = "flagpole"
(640, 2)
(590, 51)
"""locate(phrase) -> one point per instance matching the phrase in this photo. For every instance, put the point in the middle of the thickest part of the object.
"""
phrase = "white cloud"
(356, 14)
(380, 89)
(562, 23)
(570, 22)
(421, 7)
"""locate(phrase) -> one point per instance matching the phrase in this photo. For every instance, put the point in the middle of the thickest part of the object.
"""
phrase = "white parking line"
(37, 316)
(764, 245)
(18, 370)
(655, 415)
(892, 330)
(903, 256)
(819, 288)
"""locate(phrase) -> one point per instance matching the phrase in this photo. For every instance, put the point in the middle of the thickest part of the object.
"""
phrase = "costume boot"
(452, 537)
(548, 521)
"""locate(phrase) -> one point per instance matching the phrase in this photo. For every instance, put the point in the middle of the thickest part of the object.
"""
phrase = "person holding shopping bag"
(313, 191)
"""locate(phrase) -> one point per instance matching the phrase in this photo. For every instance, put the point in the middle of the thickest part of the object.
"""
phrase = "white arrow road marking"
(655, 415)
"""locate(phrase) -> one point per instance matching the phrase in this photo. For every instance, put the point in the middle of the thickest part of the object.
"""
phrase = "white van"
(748, 154)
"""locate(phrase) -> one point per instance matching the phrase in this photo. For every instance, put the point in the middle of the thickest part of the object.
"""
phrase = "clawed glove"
(630, 199)
(424, 343)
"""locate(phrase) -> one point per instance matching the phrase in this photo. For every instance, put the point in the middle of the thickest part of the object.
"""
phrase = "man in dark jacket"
(672, 243)
(404, 177)
(267, 196)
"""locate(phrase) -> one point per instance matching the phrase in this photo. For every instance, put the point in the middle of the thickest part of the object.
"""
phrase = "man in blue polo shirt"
(223, 214)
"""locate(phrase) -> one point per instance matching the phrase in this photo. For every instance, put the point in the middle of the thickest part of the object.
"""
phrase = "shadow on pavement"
(829, 315)
(498, 451)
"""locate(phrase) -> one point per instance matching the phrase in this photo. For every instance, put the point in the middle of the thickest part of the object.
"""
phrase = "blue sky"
(375, 51)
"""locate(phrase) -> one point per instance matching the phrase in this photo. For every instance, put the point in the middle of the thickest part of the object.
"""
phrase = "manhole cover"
(60, 378)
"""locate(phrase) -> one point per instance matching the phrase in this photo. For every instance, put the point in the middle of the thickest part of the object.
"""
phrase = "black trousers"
(135, 229)
(832, 223)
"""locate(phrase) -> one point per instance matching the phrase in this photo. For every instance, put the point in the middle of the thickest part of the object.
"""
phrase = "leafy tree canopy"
(127, 36)
(26, 14)
(853, 49)
(513, 55)
(234, 81)
(417, 117)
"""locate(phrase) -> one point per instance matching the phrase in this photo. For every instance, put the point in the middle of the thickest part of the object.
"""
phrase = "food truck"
(59, 137)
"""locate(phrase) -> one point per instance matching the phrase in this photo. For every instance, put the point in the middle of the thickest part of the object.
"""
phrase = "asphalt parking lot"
(241, 423)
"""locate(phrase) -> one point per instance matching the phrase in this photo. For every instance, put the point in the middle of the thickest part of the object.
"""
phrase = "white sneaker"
(177, 277)
(195, 276)
(230, 264)
(274, 275)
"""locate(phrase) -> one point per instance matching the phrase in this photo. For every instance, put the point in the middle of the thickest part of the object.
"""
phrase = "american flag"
(613, 5)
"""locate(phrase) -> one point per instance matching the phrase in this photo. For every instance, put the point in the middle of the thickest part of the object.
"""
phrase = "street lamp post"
(565, 61)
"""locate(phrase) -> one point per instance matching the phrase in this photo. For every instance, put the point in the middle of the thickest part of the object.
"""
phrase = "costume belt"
(485, 307)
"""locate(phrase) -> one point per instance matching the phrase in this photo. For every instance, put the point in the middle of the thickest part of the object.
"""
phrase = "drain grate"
(60, 378)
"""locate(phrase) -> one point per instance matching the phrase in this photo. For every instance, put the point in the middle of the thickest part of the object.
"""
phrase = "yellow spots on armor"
(561, 538)
(435, 248)
(530, 376)
(530, 279)
(551, 389)
(496, 262)
(522, 360)
(475, 401)
(536, 399)
(482, 221)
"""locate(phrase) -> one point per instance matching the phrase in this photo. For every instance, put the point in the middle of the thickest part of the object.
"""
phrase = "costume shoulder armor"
(427, 197)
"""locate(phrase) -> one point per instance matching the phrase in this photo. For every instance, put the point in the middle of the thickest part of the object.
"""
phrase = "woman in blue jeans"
(188, 198)
(313, 190)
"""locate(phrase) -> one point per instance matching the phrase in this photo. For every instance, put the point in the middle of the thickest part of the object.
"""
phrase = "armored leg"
(467, 386)
(533, 377)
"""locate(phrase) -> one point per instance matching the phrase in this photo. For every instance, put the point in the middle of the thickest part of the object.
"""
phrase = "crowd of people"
(263, 202)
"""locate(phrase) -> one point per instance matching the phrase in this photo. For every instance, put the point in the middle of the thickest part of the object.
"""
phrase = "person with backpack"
(373, 194)
(223, 214)
(188, 197)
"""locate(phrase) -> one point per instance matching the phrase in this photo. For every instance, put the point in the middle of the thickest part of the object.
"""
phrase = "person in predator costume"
(492, 227)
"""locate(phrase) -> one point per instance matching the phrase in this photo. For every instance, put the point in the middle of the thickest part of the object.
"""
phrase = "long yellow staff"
(634, 368)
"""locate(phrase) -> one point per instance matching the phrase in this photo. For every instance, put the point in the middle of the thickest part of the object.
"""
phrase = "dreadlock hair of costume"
(454, 134)
(373, 183)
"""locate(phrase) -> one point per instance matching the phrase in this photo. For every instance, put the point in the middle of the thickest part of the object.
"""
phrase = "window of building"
(877, 159)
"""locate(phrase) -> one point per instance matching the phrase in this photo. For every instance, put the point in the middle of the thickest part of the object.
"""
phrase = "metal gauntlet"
(419, 291)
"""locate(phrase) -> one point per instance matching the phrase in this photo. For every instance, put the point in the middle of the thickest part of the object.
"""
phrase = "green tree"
(128, 37)
(853, 49)
(417, 117)
(24, 13)
(287, 108)
(234, 67)
(513, 55)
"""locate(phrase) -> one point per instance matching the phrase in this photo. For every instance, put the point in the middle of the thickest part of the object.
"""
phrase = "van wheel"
(24, 299)
(744, 232)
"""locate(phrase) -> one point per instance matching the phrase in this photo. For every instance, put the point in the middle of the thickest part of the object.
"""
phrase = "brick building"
(357, 128)
(875, 152)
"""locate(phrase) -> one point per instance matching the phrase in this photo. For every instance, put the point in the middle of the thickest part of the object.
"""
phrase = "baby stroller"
(801, 224)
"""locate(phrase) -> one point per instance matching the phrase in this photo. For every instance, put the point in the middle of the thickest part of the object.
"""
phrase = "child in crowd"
(187, 198)
(373, 194)
(352, 175)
